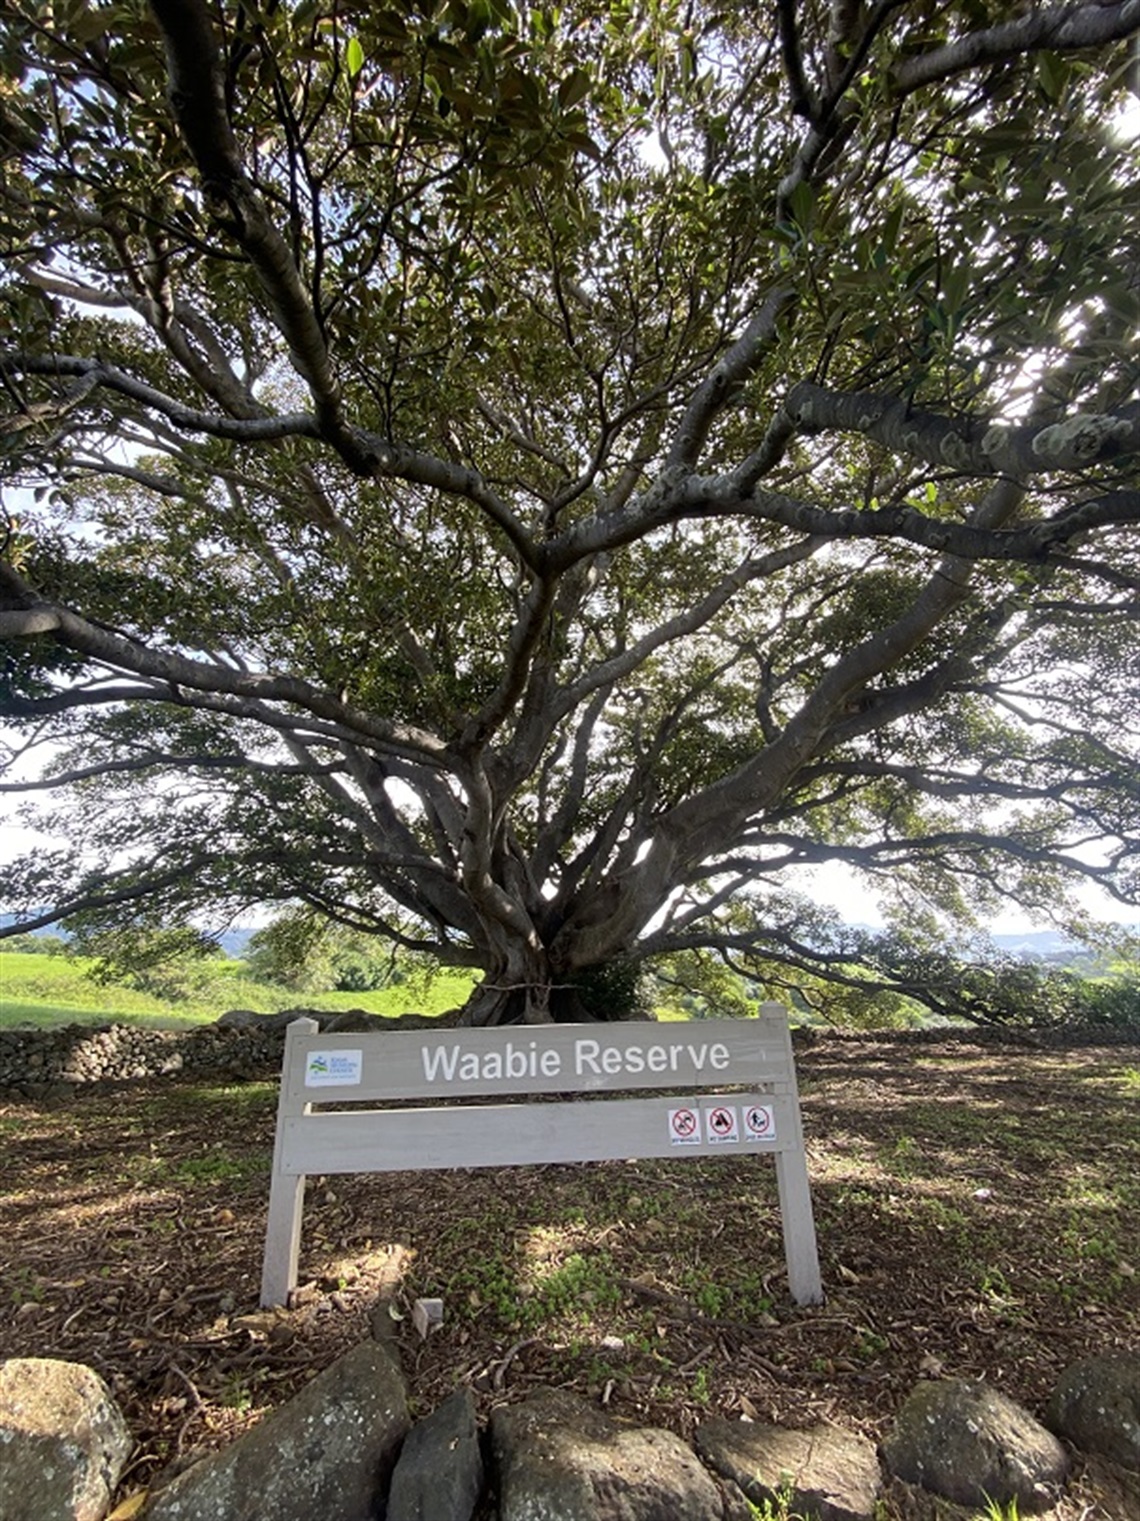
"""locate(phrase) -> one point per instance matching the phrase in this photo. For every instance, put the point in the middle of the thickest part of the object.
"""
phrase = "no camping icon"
(684, 1127)
(723, 1125)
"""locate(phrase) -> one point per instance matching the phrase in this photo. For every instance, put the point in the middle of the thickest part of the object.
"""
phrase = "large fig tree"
(523, 480)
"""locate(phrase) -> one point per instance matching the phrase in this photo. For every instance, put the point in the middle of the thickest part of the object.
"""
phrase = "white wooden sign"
(753, 1109)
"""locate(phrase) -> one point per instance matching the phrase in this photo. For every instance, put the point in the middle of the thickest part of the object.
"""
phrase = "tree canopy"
(520, 480)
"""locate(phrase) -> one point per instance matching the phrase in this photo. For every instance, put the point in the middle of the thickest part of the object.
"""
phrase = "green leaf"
(573, 89)
(354, 57)
(1052, 74)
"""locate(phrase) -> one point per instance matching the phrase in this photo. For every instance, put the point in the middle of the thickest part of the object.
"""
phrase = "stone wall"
(54, 1063)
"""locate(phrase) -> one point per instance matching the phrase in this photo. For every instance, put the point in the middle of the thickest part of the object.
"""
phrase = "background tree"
(312, 953)
(520, 480)
(172, 962)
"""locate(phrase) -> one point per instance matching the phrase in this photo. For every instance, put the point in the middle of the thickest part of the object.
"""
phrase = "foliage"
(778, 1508)
(525, 483)
(305, 951)
(37, 945)
(996, 1510)
(614, 990)
(169, 962)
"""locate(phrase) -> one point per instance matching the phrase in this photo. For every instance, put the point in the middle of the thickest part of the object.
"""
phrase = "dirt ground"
(978, 1213)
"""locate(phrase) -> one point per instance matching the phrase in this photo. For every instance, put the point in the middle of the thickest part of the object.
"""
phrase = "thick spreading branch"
(178, 671)
(1059, 29)
(968, 446)
(95, 373)
(198, 99)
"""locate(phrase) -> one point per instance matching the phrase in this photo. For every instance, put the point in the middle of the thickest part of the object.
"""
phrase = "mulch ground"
(978, 1213)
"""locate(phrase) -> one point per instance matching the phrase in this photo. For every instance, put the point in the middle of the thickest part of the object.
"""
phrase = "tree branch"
(198, 100)
(1059, 29)
(973, 447)
(724, 380)
(176, 671)
(107, 376)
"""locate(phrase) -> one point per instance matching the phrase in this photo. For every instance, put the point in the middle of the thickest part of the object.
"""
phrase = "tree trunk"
(516, 990)
(526, 991)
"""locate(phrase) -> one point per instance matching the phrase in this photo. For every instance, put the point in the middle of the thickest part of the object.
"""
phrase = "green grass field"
(53, 990)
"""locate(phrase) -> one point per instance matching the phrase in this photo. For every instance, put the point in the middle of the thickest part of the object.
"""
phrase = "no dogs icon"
(759, 1123)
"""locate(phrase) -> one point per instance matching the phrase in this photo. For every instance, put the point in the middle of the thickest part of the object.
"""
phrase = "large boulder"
(439, 1476)
(1096, 1405)
(327, 1455)
(826, 1473)
(558, 1456)
(961, 1439)
(63, 1441)
(250, 1019)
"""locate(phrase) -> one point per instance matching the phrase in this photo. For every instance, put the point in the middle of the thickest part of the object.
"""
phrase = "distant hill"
(233, 941)
(1036, 943)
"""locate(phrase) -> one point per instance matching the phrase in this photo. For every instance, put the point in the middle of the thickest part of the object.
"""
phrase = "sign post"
(751, 1059)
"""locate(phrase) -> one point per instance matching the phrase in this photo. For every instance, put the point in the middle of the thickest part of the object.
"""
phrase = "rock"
(327, 1454)
(427, 1316)
(250, 1019)
(64, 1441)
(967, 1442)
(827, 1473)
(352, 1022)
(559, 1456)
(1096, 1405)
(420, 1021)
(439, 1476)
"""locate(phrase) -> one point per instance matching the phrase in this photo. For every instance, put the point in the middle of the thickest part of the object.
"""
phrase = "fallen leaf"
(130, 1507)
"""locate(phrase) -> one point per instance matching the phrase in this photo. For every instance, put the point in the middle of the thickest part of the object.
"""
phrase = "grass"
(48, 991)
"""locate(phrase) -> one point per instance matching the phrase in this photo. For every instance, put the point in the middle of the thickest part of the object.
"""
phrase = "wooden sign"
(754, 1110)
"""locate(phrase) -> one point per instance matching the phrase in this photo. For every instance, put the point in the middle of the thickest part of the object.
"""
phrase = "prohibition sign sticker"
(759, 1123)
(723, 1126)
(684, 1127)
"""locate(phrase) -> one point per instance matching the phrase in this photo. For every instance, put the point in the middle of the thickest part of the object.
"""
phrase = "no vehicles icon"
(723, 1125)
(684, 1127)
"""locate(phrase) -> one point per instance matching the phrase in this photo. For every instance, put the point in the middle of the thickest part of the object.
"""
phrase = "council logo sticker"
(334, 1069)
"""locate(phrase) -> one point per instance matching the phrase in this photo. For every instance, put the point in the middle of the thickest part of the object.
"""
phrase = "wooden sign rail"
(753, 1108)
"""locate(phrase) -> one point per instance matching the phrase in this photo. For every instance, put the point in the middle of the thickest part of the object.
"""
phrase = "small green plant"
(903, 1159)
(26, 1288)
(237, 1394)
(776, 1508)
(710, 1299)
(996, 1511)
(209, 1169)
(575, 1289)
(869, 1344)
